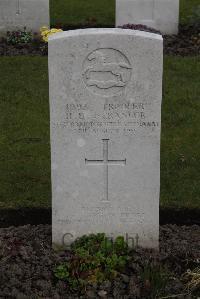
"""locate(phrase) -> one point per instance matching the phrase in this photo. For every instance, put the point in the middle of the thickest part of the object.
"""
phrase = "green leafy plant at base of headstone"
(154, 279)
(95, 258)
(19, 37)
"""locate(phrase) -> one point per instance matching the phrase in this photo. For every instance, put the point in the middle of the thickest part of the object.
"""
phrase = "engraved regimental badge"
(106, 72)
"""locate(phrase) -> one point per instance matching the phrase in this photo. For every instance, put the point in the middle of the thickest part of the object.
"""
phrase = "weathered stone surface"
(105, 109)
(159, 14)
(17, 14)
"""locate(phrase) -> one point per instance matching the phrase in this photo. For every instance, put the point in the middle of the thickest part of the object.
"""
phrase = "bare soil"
(27, 260)
(186, 43)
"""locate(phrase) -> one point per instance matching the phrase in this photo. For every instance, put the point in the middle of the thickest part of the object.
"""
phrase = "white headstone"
(105, 114)
(17, 14)
(162, 15)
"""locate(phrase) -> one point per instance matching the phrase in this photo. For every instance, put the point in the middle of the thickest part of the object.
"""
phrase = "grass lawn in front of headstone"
(180, 154)
(24, 141)
(72, 12)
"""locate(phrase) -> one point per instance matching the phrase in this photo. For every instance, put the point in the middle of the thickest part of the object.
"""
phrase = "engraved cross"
(18, 10)
(105, 163)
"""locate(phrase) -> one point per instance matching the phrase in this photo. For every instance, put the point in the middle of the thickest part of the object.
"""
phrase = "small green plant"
(154, 279)
(19, 37)
(95, 258)
(61, 272)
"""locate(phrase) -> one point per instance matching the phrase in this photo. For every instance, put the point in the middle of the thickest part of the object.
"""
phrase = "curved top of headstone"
(113, 31)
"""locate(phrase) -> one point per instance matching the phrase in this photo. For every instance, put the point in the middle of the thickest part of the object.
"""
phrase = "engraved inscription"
(106, 72)
(105, 162)
(127, 118)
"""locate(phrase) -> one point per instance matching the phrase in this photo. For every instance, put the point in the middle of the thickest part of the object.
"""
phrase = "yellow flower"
(45, 38)
(53, 30)
(44, 28)
(45, 32)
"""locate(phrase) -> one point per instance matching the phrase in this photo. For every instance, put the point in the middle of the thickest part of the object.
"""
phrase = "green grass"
(24, 139)
(187, 7)
(180, 151)
(79, 11)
